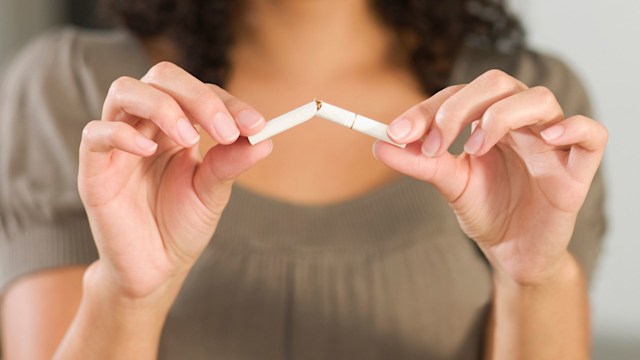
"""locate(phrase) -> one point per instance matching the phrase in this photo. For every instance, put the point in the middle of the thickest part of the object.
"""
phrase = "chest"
(389, 276)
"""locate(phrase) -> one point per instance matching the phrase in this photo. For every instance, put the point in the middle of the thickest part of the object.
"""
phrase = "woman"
(323, 251)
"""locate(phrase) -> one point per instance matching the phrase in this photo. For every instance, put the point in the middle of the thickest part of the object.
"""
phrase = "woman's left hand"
(525, 172)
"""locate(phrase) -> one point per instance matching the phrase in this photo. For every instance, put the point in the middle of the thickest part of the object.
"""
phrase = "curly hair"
(204, 29)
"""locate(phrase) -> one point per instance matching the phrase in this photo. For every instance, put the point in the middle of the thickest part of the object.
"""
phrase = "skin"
(140, 157)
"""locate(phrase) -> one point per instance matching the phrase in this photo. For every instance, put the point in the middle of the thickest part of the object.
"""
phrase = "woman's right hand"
(153, 202)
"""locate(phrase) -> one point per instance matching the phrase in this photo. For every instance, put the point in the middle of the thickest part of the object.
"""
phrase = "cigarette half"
(359, 123)
(375, 129)
(335, 114)
(285, 122)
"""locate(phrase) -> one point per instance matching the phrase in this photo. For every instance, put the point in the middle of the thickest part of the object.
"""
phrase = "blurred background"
(599, 39)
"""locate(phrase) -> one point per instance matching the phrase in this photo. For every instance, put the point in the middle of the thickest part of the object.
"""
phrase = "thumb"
(221, 165)
(449, 174)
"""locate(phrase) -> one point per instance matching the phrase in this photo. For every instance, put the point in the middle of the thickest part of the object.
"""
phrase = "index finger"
(195, 98)
(249, 120)
(412, 124)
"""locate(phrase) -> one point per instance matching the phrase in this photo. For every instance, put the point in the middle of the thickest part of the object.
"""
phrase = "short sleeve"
(537, 69)
(48, 92)
(42, 221)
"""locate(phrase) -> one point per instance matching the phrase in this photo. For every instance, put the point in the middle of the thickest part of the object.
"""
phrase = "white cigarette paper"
(285, 122)
(335, 114)
(325, 111)
(357, 122)
(373, 128)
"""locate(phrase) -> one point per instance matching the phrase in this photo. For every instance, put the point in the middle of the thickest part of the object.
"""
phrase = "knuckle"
(452, 89)
(499, 80)
(494, 75)
(214, 87)
(119, 86)
(588, 127)
(455, 88)
(545, 97)
(161, 70)
(89, 130)
(97, 134)
(544, 93)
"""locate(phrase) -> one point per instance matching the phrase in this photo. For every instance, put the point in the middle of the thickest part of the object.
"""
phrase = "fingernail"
(399, 129)
(475, 141)
(225, 127)
(145, 143)
(270, 146)
(249, 119)
(186, 131)
(432, 142)
(373, 150)
(553, 132)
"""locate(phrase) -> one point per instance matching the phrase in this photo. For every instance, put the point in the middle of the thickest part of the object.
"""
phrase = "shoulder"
(71, 45)
(48, 92)
(534, 68)
(71, 64)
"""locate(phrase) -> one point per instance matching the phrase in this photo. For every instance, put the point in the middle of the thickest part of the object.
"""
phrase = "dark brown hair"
(203, 29)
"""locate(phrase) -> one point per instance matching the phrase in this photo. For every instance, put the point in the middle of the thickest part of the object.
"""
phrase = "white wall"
(601, 39)
(22, 19)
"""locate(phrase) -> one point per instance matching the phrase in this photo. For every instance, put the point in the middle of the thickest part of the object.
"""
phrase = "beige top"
(388, 275)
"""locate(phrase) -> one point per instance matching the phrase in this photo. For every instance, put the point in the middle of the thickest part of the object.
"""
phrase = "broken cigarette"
(285, 122)
(325, 111)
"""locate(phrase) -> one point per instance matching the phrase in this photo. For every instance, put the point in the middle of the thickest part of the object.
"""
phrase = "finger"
(447, 173)
(466, 106)
(196, 98)
(223, 164)
(131, 97)
(100, 138)
(411, 125)
(536, 107)
(587, 139)
(249, 120)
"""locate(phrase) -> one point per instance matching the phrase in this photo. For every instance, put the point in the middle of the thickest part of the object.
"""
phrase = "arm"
(39, 310)
(516, 191)
(543, 321)
(31, 329)
(153, 203)
(111, 326)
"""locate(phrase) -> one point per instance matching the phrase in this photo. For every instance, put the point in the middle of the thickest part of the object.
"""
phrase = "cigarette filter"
(285, 122)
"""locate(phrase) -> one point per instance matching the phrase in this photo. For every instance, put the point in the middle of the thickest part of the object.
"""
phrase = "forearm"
(544, 321)
(110, 326)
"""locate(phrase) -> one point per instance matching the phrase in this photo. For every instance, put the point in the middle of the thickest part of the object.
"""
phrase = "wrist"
(110, 324)
(565, 270)
(545, 319)
(101, 288)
